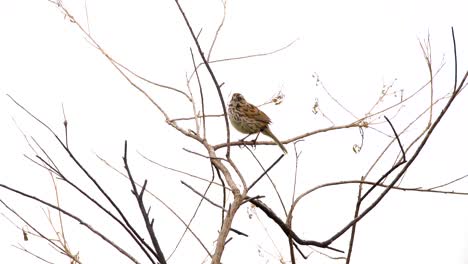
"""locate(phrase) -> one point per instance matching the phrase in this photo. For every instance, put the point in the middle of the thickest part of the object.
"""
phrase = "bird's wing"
(257, 114)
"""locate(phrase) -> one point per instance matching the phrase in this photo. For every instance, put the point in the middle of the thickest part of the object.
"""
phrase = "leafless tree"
(227, 179)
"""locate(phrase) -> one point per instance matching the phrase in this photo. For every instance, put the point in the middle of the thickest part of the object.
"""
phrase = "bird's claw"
(254, 143)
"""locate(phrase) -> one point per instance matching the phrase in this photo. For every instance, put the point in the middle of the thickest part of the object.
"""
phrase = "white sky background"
(354, 46)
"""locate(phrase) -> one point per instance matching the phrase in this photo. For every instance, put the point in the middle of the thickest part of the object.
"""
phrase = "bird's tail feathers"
(268, 132)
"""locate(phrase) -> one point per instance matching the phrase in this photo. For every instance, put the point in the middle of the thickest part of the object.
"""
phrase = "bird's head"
(237, 97)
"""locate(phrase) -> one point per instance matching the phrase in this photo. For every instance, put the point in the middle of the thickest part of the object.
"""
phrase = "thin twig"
(291, 243)
(224, 192)
(448, 183)
(193, 215)
(456, 60)
(239, 232)
(175, 170)
(194, 117)
(271, 181)
(297, 154)
(194, 107)
(265, 172)
(201, 96)
(315, 75)
(218, 30)
(203, 156)
(247, 56)
(65, 124)
(353, 229)
(403, 160)
(427, 51)
(203, 196)
(87, 17)
(34, 254)
(257, 54)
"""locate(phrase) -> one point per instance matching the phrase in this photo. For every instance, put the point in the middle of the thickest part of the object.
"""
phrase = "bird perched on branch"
(248, 119)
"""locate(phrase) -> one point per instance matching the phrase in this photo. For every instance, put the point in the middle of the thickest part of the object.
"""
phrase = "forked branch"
(144, 213)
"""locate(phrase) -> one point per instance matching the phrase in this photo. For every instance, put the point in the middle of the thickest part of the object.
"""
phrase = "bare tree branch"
(79, 220)
(144, 213)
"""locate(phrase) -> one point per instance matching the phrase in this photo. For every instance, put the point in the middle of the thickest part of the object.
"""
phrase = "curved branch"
(288, 231)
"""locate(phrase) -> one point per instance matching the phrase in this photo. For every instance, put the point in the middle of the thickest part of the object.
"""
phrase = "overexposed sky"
(355, 48)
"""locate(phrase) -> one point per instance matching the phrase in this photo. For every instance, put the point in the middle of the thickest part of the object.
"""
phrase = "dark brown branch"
(218, 173)
(394, 167)
(353, 229)
(65, 123)
(456, 60)
(265, 172)
(238, 232)
(139, 198)
(269, 212)
(270, 179)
